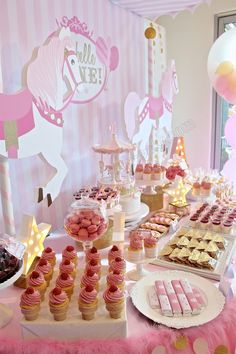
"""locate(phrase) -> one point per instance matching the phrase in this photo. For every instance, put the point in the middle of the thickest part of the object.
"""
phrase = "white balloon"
(221, 65)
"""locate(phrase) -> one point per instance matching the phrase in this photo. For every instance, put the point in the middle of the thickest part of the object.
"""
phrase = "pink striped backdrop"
(25, 25)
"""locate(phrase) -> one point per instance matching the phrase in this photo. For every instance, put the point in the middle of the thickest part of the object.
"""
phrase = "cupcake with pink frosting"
(45, 268)
(30, 304)
(156, 172)
(139, 171)
(150, 246)
(113, 253)
(93, 253)
(66, 266)
(36, 280)
(118, 264)
(88, 302)
(114, 300)
(70, 253)
(66, 283)
(49, 255)
(135, 249)
(147, 172)
(58, 303)
(116, 278)
(94, 266)
(90, 278)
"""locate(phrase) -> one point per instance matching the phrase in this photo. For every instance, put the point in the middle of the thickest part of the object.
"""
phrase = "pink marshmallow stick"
(160, 289)
(153, 299)
(199, 297)
(176, 309)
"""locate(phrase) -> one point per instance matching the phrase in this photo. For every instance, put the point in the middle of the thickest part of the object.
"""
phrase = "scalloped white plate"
(214, 298)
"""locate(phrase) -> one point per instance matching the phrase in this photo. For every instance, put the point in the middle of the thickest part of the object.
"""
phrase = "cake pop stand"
(139, 272)
(149, 185)
(6, 312)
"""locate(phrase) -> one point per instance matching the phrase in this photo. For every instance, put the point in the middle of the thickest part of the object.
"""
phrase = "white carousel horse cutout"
(31, 120)
(153, 112)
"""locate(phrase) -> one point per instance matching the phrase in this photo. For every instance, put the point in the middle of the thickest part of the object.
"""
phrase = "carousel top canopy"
(153, 9)
(114, 146)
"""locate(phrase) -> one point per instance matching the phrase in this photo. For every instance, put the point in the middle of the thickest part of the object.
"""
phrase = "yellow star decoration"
(32, 236)
(178, 194)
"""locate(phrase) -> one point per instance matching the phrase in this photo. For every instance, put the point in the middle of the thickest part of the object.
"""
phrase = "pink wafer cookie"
(153, 299)
(160, 289)
(176, 309)
(186, 309)
(199, 297)
(165, 306)
(194, 304)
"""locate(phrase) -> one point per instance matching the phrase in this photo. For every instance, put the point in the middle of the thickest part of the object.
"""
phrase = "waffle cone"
(59, 312)
(48, 277)
(69, 291)
(115, 309)
(30, 313)
(88, 310)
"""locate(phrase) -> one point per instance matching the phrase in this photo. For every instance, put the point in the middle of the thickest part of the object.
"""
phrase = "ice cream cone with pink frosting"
(118, 264)
(36, 280)
(90, 278)
(93, 253)
(113, 253)
(58, 303)
(94, 266)
(70, 253)
(116, 278)
(66, 283)
(30, 304)
(49, 255)
(114, 299)
(88, 302)
(66, 266)
(45, 268)
(135, 249)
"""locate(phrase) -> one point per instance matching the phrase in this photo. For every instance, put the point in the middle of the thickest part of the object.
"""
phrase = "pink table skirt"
(143, 334)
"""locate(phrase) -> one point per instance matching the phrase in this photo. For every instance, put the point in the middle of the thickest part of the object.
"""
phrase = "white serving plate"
(12, 280)
(214, 274)
(215, 300)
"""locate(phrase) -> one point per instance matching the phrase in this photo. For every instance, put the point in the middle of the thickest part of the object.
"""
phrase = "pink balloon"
(114, 58)
(221, 85)
(230, 96)
(230, 131)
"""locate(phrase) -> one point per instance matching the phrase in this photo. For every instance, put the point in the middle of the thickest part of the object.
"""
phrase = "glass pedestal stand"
(6, 313)
(149, 185)
(139, 272)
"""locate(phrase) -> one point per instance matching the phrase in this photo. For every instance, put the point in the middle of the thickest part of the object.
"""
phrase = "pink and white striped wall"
(25, 25)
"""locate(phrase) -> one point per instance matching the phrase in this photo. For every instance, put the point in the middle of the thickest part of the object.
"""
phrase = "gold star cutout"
(32, 236)
(178, 193)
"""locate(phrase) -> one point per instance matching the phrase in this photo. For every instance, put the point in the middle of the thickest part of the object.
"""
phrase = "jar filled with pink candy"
(86, 221)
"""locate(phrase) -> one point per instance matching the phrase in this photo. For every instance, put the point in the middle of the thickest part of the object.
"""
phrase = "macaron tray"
(74, 327)
(158, 222)
(202, 252)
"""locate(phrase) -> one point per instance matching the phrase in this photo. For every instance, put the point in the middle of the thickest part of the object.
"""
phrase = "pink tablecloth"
(143, 334)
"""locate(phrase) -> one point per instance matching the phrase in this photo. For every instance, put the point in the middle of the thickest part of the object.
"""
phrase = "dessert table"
(143, 334)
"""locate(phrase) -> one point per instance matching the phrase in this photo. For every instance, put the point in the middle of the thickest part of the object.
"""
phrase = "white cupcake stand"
(139, 272)
(6, 312)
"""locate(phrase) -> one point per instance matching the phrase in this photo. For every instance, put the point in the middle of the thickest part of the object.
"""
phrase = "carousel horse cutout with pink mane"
(31, 120)
(141, 116)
